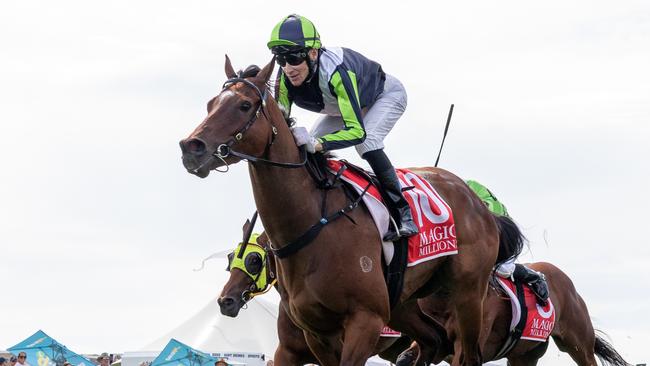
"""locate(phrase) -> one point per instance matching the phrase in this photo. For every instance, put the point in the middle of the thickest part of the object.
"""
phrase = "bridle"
(256, 288)
(271, 278)
(225, 149)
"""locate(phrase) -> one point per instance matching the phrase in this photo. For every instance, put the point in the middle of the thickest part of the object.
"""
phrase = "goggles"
(293, 59)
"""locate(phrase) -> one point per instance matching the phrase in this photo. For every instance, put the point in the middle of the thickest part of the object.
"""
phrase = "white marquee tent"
(254, 330)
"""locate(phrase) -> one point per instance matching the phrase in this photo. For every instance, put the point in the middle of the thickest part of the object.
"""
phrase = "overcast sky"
(100, 225)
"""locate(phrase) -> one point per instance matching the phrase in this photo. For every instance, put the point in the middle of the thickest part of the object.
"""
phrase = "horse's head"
(252, 272)
(237, 118)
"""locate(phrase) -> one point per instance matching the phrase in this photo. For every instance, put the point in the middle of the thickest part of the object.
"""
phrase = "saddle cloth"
(540, 320)
(432, 215)
(388, 332)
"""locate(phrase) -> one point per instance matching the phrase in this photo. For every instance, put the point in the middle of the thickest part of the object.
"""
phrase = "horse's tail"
(607, 354)
(511, 239)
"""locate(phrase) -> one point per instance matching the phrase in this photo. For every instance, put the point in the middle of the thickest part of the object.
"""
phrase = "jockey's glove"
(302, 137)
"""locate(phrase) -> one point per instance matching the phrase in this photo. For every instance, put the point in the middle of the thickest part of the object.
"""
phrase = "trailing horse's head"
(252, 273)
(236, 119)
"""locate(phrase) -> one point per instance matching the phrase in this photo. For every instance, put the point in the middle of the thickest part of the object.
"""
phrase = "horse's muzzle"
(195, 156)
(229, 306)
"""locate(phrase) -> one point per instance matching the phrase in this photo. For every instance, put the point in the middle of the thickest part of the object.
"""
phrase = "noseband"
(224, 150)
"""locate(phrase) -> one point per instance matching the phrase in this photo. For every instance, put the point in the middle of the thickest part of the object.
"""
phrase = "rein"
(225, 149)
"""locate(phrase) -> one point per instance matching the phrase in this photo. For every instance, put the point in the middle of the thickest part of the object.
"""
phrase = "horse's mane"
(249, 72)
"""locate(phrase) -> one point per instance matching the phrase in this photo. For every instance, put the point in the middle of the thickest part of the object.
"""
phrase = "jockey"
(360, 103)
(509, 269)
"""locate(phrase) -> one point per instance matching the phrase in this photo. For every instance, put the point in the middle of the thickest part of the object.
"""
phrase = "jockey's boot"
(536, 281)
(392, 193)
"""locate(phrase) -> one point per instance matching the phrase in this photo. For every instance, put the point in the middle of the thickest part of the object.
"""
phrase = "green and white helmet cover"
(488, 198)
(295, 30)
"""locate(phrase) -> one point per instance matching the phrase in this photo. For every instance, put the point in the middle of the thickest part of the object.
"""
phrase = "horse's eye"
(245, 106)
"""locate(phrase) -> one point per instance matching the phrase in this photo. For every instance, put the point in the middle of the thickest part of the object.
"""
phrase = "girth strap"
(515, 334)
(395, 270)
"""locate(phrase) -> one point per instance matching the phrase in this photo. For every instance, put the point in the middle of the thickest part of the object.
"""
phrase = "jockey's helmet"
(294, 33)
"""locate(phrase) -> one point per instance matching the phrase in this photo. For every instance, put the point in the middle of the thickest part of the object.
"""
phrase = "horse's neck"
(286, 199)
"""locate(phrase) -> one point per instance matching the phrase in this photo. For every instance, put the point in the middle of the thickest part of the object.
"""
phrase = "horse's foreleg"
(292, 348)
(362, 331)
(522, 361)
(327, 350)
(429, 334)
(287, 357)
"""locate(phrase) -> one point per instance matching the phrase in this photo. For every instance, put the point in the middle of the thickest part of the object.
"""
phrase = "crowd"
(21, 360)
(104, 359)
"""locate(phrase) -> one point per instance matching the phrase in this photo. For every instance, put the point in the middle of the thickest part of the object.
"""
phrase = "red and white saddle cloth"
(388, 332)
(540, 320)
(437, 235)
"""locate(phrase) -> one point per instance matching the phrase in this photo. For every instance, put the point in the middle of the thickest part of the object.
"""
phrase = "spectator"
(66, 363)
(22, 359)
(269, 363)
(221, 362)
(4, 361)
(13, 360)
(104, 359)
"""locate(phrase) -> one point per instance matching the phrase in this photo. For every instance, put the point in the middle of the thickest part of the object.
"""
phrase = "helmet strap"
(313, 66)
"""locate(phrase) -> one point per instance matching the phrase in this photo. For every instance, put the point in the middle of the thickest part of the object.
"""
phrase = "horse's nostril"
(226, 301)
(195, 147)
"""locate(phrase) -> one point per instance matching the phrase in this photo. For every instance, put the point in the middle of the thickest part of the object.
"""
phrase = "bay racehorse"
(573, 332)
(334, 287)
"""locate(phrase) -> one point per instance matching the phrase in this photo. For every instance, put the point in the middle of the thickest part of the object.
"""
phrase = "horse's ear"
(246, 226)
(230, 72)
(263, 239)
(265, 74)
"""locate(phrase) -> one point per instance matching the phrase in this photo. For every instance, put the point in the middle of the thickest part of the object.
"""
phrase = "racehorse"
(334, 288)
(573, 332)
(252, 276)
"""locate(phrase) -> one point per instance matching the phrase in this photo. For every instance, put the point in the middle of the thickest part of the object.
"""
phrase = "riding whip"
(451, 110)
